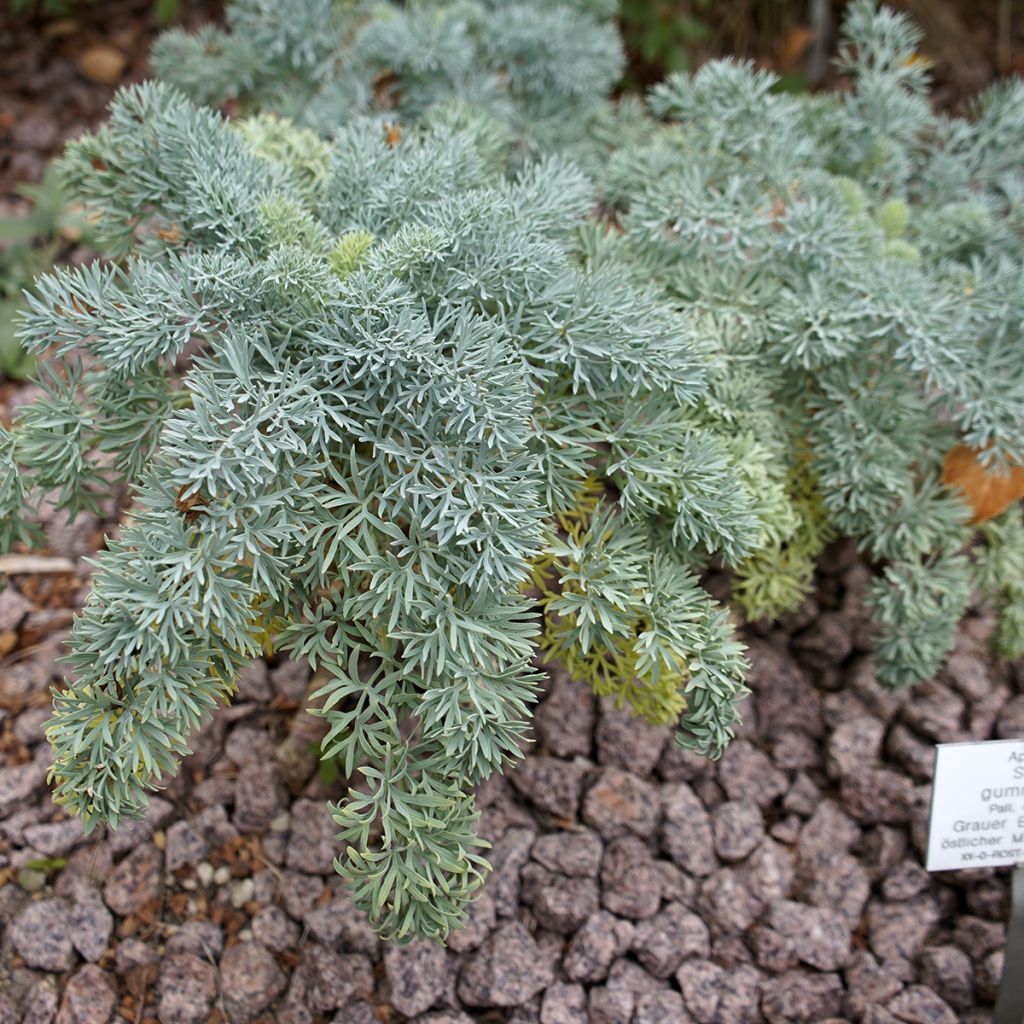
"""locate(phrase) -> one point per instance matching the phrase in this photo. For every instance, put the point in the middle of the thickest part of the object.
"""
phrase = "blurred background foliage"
(60, 61)
(970, 41)
(29, 245)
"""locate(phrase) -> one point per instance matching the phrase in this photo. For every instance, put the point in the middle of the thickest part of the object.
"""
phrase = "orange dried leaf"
(988, 491)
(793, 46)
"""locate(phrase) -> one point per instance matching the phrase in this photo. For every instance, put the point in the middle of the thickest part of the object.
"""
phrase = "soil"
(50, 91)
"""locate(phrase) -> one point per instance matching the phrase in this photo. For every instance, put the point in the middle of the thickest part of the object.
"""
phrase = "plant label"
(977, 814)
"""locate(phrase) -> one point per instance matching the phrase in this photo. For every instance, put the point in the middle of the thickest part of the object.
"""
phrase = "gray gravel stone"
(630, 975)
(828, 830)
(260, 796)
(86, 867)
(899, 930)
(186, 989)
(565, 721)
(602, 938)
(55, 839)
(254, 682)
(19, 784)
(300, 892)
(977, 937)
(936, 713)
(828, 641)
(88, 998)
(795, 751)
(508, 857)
(868, 983)
(988, 973)
(877, 795)
(40, 1006)
(664, 1007)
(626, 741)
(948, 972)
(129, 834)
(480, 922)
(741, 995)
(91, 924)
(312, 845)
(680, 765)
(772, 951)
(250, 980)
(670, 937)
(1011, 719)
(818, 936)
(676, 884)
(785, 698)
(341, 924)
(701, 983)
(14, 609)
(507, 970)
(920, 1005)
(610, 1005)
(335, 979)
(532, 879)
(968, 675)
(619, 803)
(184, 846)
(272, 927)
(631, 882)
(747, 773)
(570, 853)
(738, 828)
(247, 745)
(877, 1015)
(551, 784)
(565, 903)
(853, 743)
(727, 903)
(290, 680)
(906, 880)
(135, 881)
(801, 997)
(803, 796)
(416, 976)
(880, 849)
(202, 938)
(769, 872)
(838, 882)
(564, 1004)
(41, 934)
(686, 834)
(213, 825)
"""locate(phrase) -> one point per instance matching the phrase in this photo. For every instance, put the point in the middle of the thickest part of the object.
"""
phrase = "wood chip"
(31, 565)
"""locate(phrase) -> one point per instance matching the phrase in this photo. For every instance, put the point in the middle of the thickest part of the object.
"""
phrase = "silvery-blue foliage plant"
(351, 355)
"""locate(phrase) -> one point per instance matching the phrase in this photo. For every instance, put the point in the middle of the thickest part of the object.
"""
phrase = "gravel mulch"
(633, 883)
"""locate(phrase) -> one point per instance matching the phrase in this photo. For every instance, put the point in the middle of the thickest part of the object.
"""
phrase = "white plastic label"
(977, 818)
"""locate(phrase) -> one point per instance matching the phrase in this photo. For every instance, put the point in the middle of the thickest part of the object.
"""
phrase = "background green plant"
(28, 246)
(166, 10)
